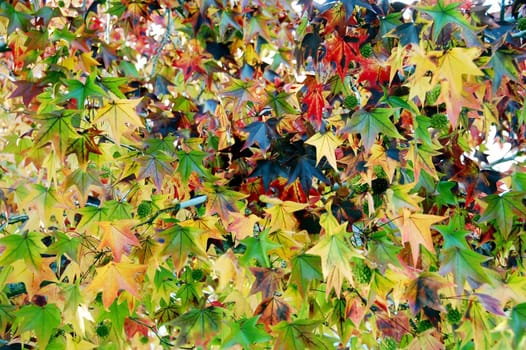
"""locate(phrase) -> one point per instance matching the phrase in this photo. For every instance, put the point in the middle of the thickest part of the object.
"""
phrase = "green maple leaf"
(91, 215)
(7, 316)
(370, 123)
(190, 162)
(199, 324)
(503, 63)
(181, 241)
(17, 19)
(465, 264)
(444, 195)
(258, 248)
(305, 268)
(43, 320)
(246, 332)
(278, 102)
(299, 335)
(383, 250)
(80, 91)
(28, 247)
(443, 15)
(116, 313)
(83, 180)
(56, 127)
(118, 210)
(65, 245)
(504, 208)
(518, 322)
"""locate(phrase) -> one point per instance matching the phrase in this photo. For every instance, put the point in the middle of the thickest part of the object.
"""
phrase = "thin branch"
(189, 203)
(164, 41)
(153, 330)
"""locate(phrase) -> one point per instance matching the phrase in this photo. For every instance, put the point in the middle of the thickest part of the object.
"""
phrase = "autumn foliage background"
(261, 174)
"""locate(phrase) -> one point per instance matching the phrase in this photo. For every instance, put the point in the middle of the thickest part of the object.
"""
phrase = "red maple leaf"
(315, 103)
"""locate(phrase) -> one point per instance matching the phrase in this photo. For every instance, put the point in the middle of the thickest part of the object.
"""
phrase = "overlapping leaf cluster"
(261, 174)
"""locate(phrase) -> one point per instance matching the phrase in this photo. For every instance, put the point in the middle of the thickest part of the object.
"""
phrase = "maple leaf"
(191, 60)
(242, 225)
(28, 90)
(28, 247)
(118, 236)
(17, 19)
(268, 281)
(269, 170)
(222, 201)
(305, 268)
(191, 162)
(398, 198)
(335, 254)
(43, 320)
(114, 277)
(456, 63)
(503, 63)
(199, 324)
(422, 158)
(303, 167)
(415, 229)
(315, 104)
(383, 250)
(343, 50)
(84, 180)
(180, 242)
(301, 334)
(261, 133)
(422, 292)
(81, 91)
(83, 144)
(155, 166)
(370, 123)
(458, 258)
(272, 311)
(246, 333)
(326, 145)
(444, 14)
(258, 248)
(281, 213)
(120, 114)
(504, 208)
(56, 127)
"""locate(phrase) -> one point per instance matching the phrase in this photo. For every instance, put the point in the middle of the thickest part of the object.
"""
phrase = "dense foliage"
(261, 174)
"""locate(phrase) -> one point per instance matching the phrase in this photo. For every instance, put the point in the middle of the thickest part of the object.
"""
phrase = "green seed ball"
(144, 209)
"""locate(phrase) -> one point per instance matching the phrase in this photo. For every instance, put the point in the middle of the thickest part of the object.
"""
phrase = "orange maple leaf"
(415, 229)
(114, 277)
(118, 236)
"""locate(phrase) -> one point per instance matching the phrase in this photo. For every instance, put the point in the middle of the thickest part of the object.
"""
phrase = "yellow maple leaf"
(281, 213)
(118, 236)
(379, 157)
(326, 145)
(398, 197)
(415, 229)
(114, 277)
(335, 254)
(119, 114)
(455, 63)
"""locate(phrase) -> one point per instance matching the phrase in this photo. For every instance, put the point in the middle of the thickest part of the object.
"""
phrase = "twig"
(164, 41)
(108, 23)
(153, 330)
(189, 203)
